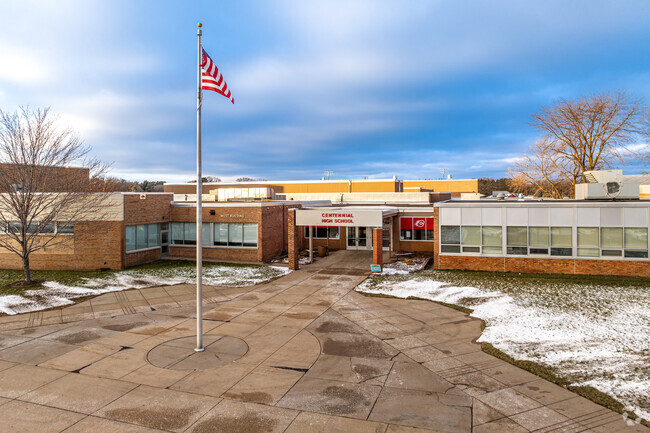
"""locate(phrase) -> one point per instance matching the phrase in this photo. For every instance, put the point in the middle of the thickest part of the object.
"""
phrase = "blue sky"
(362, 88)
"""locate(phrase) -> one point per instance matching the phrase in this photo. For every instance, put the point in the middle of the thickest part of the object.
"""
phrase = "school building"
(258, 222)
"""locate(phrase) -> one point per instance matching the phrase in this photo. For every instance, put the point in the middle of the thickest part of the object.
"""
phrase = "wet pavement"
(302, 353)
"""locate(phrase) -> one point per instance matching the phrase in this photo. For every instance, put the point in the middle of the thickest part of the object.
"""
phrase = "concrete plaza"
(302, 353)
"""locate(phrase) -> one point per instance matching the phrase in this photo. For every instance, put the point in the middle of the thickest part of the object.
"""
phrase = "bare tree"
(589, 133)
(41, 196)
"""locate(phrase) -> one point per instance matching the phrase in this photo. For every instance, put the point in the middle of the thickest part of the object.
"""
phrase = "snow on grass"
(405, 266)
(55, 294)
(591, 334)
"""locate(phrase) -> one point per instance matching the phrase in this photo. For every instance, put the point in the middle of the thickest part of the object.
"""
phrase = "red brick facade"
(271, 223)
(377, 247)
(145, 209)
(294, 238)
(537, 265)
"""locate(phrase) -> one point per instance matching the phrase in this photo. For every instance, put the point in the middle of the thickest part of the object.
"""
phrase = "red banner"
(419, 223)
(406, 223)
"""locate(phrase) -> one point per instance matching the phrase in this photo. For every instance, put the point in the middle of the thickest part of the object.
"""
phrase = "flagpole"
(199, 208)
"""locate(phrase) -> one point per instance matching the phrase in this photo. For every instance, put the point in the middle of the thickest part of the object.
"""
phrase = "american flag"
(211, 78)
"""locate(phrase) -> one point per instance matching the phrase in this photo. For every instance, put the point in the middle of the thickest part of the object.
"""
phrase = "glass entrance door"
(164, 239)
(359, 238)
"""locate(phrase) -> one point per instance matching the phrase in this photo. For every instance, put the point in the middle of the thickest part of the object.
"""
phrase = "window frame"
(146, 227)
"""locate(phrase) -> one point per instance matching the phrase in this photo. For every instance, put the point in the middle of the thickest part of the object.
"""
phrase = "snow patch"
(55, 294)
(593, 335)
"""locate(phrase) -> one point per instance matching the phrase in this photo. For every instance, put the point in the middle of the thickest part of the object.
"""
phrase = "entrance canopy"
(344, 216)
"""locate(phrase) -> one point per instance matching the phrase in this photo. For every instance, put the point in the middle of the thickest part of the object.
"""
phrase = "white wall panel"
(471, 216)
(491, 216)
(611, 217)
(450, 216)
(561, 217)
(588, 216)
(538, 216)
(517, 216)
(635, 217)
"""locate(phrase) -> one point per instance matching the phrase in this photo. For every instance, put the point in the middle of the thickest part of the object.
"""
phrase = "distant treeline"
(487, 185)
(114, 184)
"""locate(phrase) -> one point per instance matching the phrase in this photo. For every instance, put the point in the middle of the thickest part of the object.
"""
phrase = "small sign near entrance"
(375, 268)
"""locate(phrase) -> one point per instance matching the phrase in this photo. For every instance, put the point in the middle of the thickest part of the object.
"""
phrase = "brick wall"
(377, 248)
(94, 245)
(215, 253)
(140, 257)
(436, 236)
(538, 265)
(155, 208)
(294, 241)
(271, 231)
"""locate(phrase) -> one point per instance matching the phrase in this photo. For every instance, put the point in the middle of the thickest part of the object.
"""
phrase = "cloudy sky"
(362, 88)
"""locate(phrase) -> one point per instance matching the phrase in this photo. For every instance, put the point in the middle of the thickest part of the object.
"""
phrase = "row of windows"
(416, 229)
(556, 241)
(221, 234)
(323, 232)
(36, 227)
(142, 236)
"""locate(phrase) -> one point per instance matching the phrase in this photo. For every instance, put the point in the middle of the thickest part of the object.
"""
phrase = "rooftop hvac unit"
(606, 184)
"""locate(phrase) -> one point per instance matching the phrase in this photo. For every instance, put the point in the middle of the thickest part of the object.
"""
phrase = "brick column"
(436, 238)
(293, 241)
(377, 247)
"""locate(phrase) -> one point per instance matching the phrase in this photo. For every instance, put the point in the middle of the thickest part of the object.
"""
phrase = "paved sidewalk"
(317, 357)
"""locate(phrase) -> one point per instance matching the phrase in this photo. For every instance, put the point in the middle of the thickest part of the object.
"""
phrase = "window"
(611, 241)
(183, 233)
(130, 238)
(153, 235)
(221, 234)
(333, 232)
(416, 229)
(406, 229)
(321, 232)
(141, 236)
(450, 239)
(250, 235)
(15, 227)
(561, 241)
(32, 227)
(636, 242)
(48, 228)
(235, 234)
(470, 239)
(189, 233)
(492, 243)
(177, 233)
(517, 241)
(538, 240)
(65, 228)
(588, 242)
(205, 234)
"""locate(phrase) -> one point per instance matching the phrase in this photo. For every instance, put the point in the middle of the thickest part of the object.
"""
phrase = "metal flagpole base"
(202, 349)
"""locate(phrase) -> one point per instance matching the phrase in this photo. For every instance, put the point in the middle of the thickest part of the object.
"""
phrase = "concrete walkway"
(316, 357)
